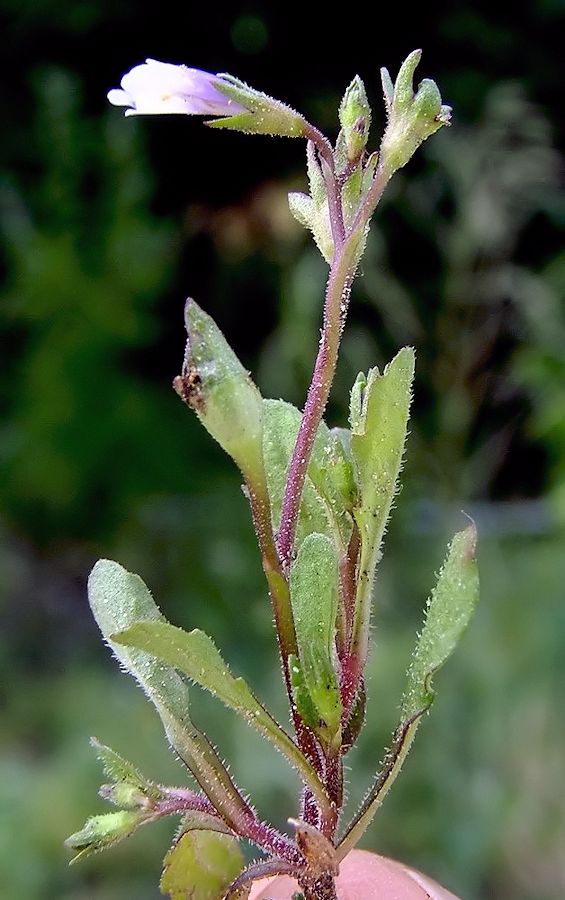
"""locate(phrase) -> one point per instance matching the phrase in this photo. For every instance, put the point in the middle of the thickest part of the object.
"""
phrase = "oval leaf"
(449, 610)
(201, 865)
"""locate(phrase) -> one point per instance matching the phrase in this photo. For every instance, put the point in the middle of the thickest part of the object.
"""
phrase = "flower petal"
(155, 88)
(120, 98)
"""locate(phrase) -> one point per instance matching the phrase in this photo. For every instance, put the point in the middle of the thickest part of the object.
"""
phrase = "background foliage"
(106, 225)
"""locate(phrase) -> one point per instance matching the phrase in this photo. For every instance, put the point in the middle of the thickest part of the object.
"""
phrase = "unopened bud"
(355, 119)
(125, 795)
(412, 117)
(100, 832)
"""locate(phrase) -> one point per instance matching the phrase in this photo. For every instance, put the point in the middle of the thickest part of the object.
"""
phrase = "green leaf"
(200, 866)
(301, 695)
(325, 500)
(119, 600)
(196, 655)
(379, 413)
(449, 610)
(101, 832)
(197, 820)
(217, 387)
(314, 598)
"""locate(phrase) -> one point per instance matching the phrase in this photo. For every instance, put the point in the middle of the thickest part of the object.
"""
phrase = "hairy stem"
(337, 296)
(334, 784)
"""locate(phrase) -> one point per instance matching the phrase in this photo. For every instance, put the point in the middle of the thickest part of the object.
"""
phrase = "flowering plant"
(320, 500)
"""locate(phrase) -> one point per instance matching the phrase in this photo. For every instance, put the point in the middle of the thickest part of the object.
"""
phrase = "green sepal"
(379, 410)
(312, 211)
(130, 788)
(201, 865)
(218, 388)
(448, 612)
(302, 208)
(412, 117)
(196, 656)
(323, 508)
(314, 587)
(351, 194)
(263, 115)
(101, 832)
(369, 171)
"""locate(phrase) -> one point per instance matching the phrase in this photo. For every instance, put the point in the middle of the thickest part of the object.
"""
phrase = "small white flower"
(156, 88)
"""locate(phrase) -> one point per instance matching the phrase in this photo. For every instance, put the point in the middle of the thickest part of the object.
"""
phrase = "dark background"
(106, 225)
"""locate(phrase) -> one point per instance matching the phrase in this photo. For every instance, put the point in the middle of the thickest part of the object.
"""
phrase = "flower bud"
(103, 831)
(125, 795)
(355, 119)
(411, 117)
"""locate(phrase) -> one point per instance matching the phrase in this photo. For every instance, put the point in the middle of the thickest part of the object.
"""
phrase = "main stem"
(337, 297)
(338, 289)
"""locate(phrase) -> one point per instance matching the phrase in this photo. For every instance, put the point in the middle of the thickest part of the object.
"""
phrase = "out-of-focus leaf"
(196, 655)
(314, 598)
(201, 865)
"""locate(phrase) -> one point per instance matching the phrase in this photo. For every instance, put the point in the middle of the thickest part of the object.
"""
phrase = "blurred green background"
(106, 225)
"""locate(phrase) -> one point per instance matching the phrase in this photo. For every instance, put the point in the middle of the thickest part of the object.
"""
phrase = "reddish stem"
(337, 297)
(265, 836)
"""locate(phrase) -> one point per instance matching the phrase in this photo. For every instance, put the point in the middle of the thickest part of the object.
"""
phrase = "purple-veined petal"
(155, 88)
